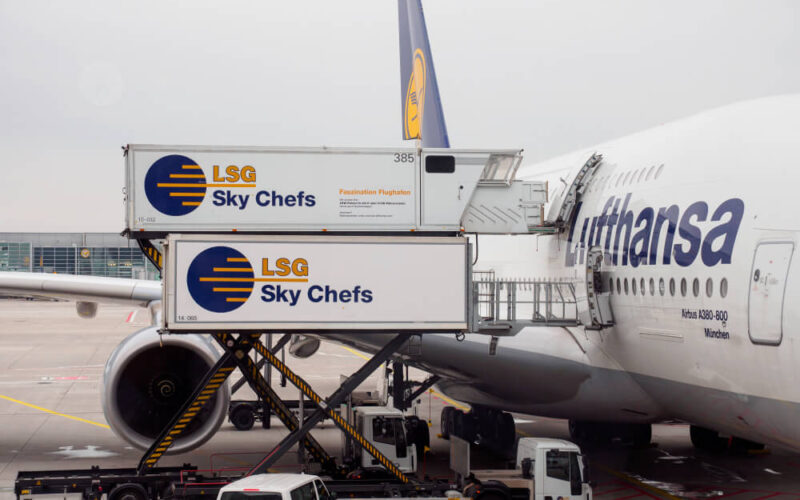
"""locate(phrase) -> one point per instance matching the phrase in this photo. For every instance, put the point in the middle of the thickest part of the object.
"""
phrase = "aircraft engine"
(149, 377)
(303, 347)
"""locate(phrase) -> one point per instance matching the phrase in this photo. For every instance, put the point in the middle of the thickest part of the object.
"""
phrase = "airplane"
(697, 259)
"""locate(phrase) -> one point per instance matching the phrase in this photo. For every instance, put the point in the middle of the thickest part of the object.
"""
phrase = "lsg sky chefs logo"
(221, 279)
(176, 185)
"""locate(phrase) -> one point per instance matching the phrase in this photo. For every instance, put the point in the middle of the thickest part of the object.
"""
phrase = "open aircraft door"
(767, 289)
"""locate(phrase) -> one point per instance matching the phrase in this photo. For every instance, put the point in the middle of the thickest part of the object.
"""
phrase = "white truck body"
(276, 487)
(173, 189)
(384, 427)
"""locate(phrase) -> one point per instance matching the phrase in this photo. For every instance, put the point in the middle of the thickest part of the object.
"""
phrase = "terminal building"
(90, 254)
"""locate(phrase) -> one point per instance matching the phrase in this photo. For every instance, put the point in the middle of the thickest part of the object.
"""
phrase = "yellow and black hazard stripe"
(279, 408)
(338, 420)
(152, 253)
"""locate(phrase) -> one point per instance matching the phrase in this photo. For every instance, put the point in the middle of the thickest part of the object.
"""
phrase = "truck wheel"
(464, 425)
(446, 422)
(242, 416)
(129, 491)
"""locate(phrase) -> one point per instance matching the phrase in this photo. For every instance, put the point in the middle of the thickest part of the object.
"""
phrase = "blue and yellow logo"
(415, 97)
(220, 279)
(175, 185)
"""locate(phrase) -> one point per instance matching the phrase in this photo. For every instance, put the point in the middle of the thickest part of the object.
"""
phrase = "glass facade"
(91, 254)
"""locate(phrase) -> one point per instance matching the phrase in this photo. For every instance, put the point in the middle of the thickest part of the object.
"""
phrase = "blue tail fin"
(423, 117)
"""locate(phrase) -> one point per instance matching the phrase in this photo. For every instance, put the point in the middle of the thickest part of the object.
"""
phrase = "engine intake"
(148, 378)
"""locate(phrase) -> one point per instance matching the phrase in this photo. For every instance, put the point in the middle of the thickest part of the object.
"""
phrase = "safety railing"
(510, 305)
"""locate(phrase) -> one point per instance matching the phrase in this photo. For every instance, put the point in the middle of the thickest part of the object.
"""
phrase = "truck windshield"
(563, 465)
(389, 430)
(250, 495)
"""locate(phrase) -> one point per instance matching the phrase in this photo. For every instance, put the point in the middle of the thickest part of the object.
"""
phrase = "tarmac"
(51, 369)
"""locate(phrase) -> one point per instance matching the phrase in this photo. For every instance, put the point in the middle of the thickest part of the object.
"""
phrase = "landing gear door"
(767, 286)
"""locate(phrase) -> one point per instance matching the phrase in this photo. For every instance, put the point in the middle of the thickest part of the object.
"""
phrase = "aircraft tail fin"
(422, 113)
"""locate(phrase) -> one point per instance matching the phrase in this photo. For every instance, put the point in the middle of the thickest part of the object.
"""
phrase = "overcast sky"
(78, 79)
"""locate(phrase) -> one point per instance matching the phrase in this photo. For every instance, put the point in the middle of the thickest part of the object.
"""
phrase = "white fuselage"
(708, 201)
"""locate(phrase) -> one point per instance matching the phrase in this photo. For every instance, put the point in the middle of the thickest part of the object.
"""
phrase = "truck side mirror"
(527, 468)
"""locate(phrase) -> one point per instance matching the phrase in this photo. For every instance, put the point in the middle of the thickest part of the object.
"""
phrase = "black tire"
(446, 423)
(642, 435)
(578, 432)
(706, 439)
(506, 430)
(130, 491)
(242, 416)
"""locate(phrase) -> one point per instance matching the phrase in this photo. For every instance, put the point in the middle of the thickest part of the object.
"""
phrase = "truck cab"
(276, 487)
(385, 428)
(545, 469)
(556, 465)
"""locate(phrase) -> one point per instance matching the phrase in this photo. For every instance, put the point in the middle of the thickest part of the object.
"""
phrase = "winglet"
(422, 115)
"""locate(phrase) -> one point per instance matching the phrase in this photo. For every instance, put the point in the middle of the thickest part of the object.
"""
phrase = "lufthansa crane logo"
(220, 279)
(175, 185)
(415, 97)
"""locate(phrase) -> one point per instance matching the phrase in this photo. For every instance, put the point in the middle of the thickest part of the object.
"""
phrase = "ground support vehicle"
(544, 469)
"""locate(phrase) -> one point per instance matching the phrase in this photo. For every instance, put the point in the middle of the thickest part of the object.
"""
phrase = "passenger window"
(661, 288)
(683, 287)
(625, 180)
(696, 287)
(652, 287)
(642, 288)
(650, 173)
(625, 283)
(658, 172)
(611, 285)
(383, 430)
(305, 492)
(633, 286)
(619, 288)
(672, 287)
(709, 287)
(723, 287)
(563, 465)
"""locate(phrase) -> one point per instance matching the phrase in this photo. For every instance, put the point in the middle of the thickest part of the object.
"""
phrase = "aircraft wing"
(81, 288)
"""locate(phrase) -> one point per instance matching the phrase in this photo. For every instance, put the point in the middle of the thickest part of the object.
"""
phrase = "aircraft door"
(767, 287)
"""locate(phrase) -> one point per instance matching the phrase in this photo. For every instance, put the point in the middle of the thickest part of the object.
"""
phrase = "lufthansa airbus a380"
(697, 234)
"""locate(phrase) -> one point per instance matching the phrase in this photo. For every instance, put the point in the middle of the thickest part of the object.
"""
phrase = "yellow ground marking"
(628, 479)
(434, 392)
(51, 412)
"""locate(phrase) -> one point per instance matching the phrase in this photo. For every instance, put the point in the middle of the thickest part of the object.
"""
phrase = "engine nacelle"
(303, 347)
(86, 310)
(149, 377)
